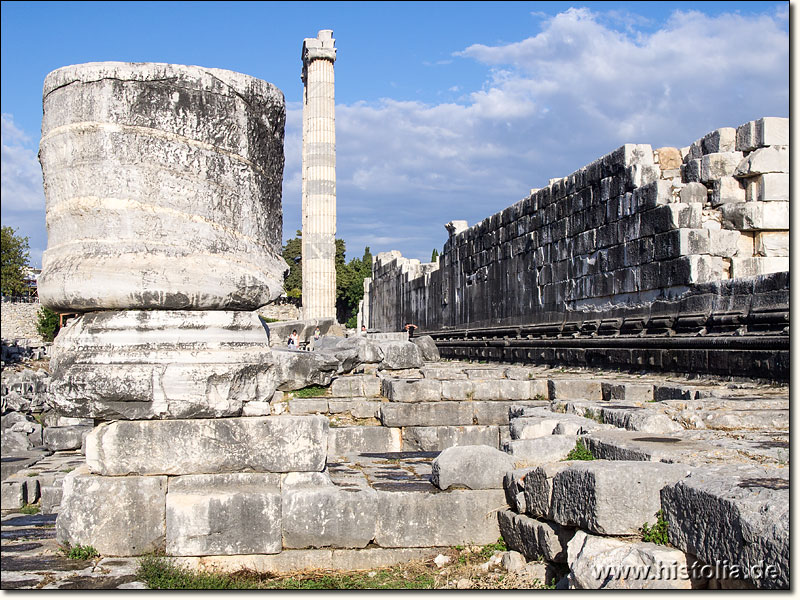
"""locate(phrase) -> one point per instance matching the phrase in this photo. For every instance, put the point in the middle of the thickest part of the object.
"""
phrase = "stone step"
(535, 537)
(434, 439)
(360, 439)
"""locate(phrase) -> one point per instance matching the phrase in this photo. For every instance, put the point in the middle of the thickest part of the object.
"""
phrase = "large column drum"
(163, 188)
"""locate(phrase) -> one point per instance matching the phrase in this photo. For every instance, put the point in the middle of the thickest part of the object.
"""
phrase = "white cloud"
(21, 174)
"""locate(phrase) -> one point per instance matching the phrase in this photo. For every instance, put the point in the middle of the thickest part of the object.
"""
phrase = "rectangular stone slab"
(414, 519)
(182, 447)
(119, 516)
(733, 513)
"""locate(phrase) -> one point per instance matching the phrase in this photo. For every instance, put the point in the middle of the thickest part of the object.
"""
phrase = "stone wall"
(19, 321)
(635, 226)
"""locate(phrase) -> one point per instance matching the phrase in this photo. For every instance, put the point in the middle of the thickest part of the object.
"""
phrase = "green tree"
(434, 255)
(47, 324)
(14, 250)
(293, 255)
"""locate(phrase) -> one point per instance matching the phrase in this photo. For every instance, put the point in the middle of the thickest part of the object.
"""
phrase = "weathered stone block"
(359, 408)
(430, 353)
(413, 390)
(65, 438)
(119, 516)
(401, 355)
(474, 467)
(178, 447)
(772, 243)
(349, 440)
(753, 216)
(769, 187)
(460, 389)
(738, 514)
(681, 242)
(535, 538)
(356, 386)
(51, 498)
(308, 406)
(329, 517)
(772, 159)
(541, 450)
(604, 563)
(610, 497)
(574, 389)
(727, 189)
(719, 164)
(629, 392)
(514, 486)
(669, 158)
(761, 265)
(237, 513)
(640, 419)
(458, 517)
(433, 439)
(720, 140)
(426, 413)
(174, 211)
(694, 192)
(671, 216)
(495, 412)
(724, 243)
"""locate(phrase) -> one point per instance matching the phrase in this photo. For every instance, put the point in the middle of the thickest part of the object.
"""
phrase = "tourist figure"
(317, 336)
(410, 327)
(363, 330)
(292, 343)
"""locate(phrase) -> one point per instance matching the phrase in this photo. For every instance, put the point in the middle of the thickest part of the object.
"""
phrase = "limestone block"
(769, 187)
(51, 498)
(413, 390)
(295, 369)
(458, 517)
(652, 195)
(691, 170)
(603, 563)
(359, 408)
(474, 467)
(401, 355)
(256, 409)
(119, 516)
(350, 440)
(232, 513)
(356, 386)
(396, 414)
(330, 516)
(610, 497)
(535, 538)
(669, 158)
(629, 392)
(681, 242)
(514, 486)
(772, 243)
(772, 159)
(725, 243)
(719, 164)
(434, 439)
(512, 561)
(427, 346)
(308, 406)
(161, 364)
(671, 216)
(65, 438)
(760, 265)
(766, 131)
(727, 189)
(694, 192)
(14, 493)
(640, 419)
(574, 389)
(495, 412)
(177, 447)
(739, 514)
(541, 450)
(538, 488)
(752, 216)
(460, 389)
(721, 140)
(163, 187)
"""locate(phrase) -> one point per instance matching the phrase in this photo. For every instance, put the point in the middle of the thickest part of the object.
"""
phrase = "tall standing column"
(319, 178)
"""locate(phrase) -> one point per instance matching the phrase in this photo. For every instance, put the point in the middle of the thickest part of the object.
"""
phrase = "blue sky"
(444, 110)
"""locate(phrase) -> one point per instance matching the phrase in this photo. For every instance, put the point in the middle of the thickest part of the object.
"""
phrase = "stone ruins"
(170, 420)
(319, 178)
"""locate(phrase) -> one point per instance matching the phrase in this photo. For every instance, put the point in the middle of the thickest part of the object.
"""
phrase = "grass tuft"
(30, 509)
(79, 552)
(580, 452)
(658, 533)
(312, 391)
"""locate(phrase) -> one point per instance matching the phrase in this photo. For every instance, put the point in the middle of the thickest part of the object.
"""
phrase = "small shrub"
(540, 398)
(580, 452)
(30, 509)
(312, 391)
(268, 319)
(47, 324)
(79, 552)
(489, 549)
(352, 322)
(658, 533)
(32, 474)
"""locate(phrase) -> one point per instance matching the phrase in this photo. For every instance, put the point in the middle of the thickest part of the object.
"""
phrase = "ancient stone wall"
(632, 228)
(19, 321)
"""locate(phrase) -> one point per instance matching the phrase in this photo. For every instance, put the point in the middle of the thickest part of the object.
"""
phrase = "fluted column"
(319, 178)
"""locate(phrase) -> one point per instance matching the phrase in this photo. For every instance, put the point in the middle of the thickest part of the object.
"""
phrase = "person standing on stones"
(292, 343)
(410, 327)
(316, 338)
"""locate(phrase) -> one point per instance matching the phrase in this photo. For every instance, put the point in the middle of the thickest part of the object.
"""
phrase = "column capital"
(320, 47)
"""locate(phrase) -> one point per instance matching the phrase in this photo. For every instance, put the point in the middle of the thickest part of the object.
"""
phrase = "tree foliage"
(349, 276)
(434, 255)
(15, 258)
(47, 324)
